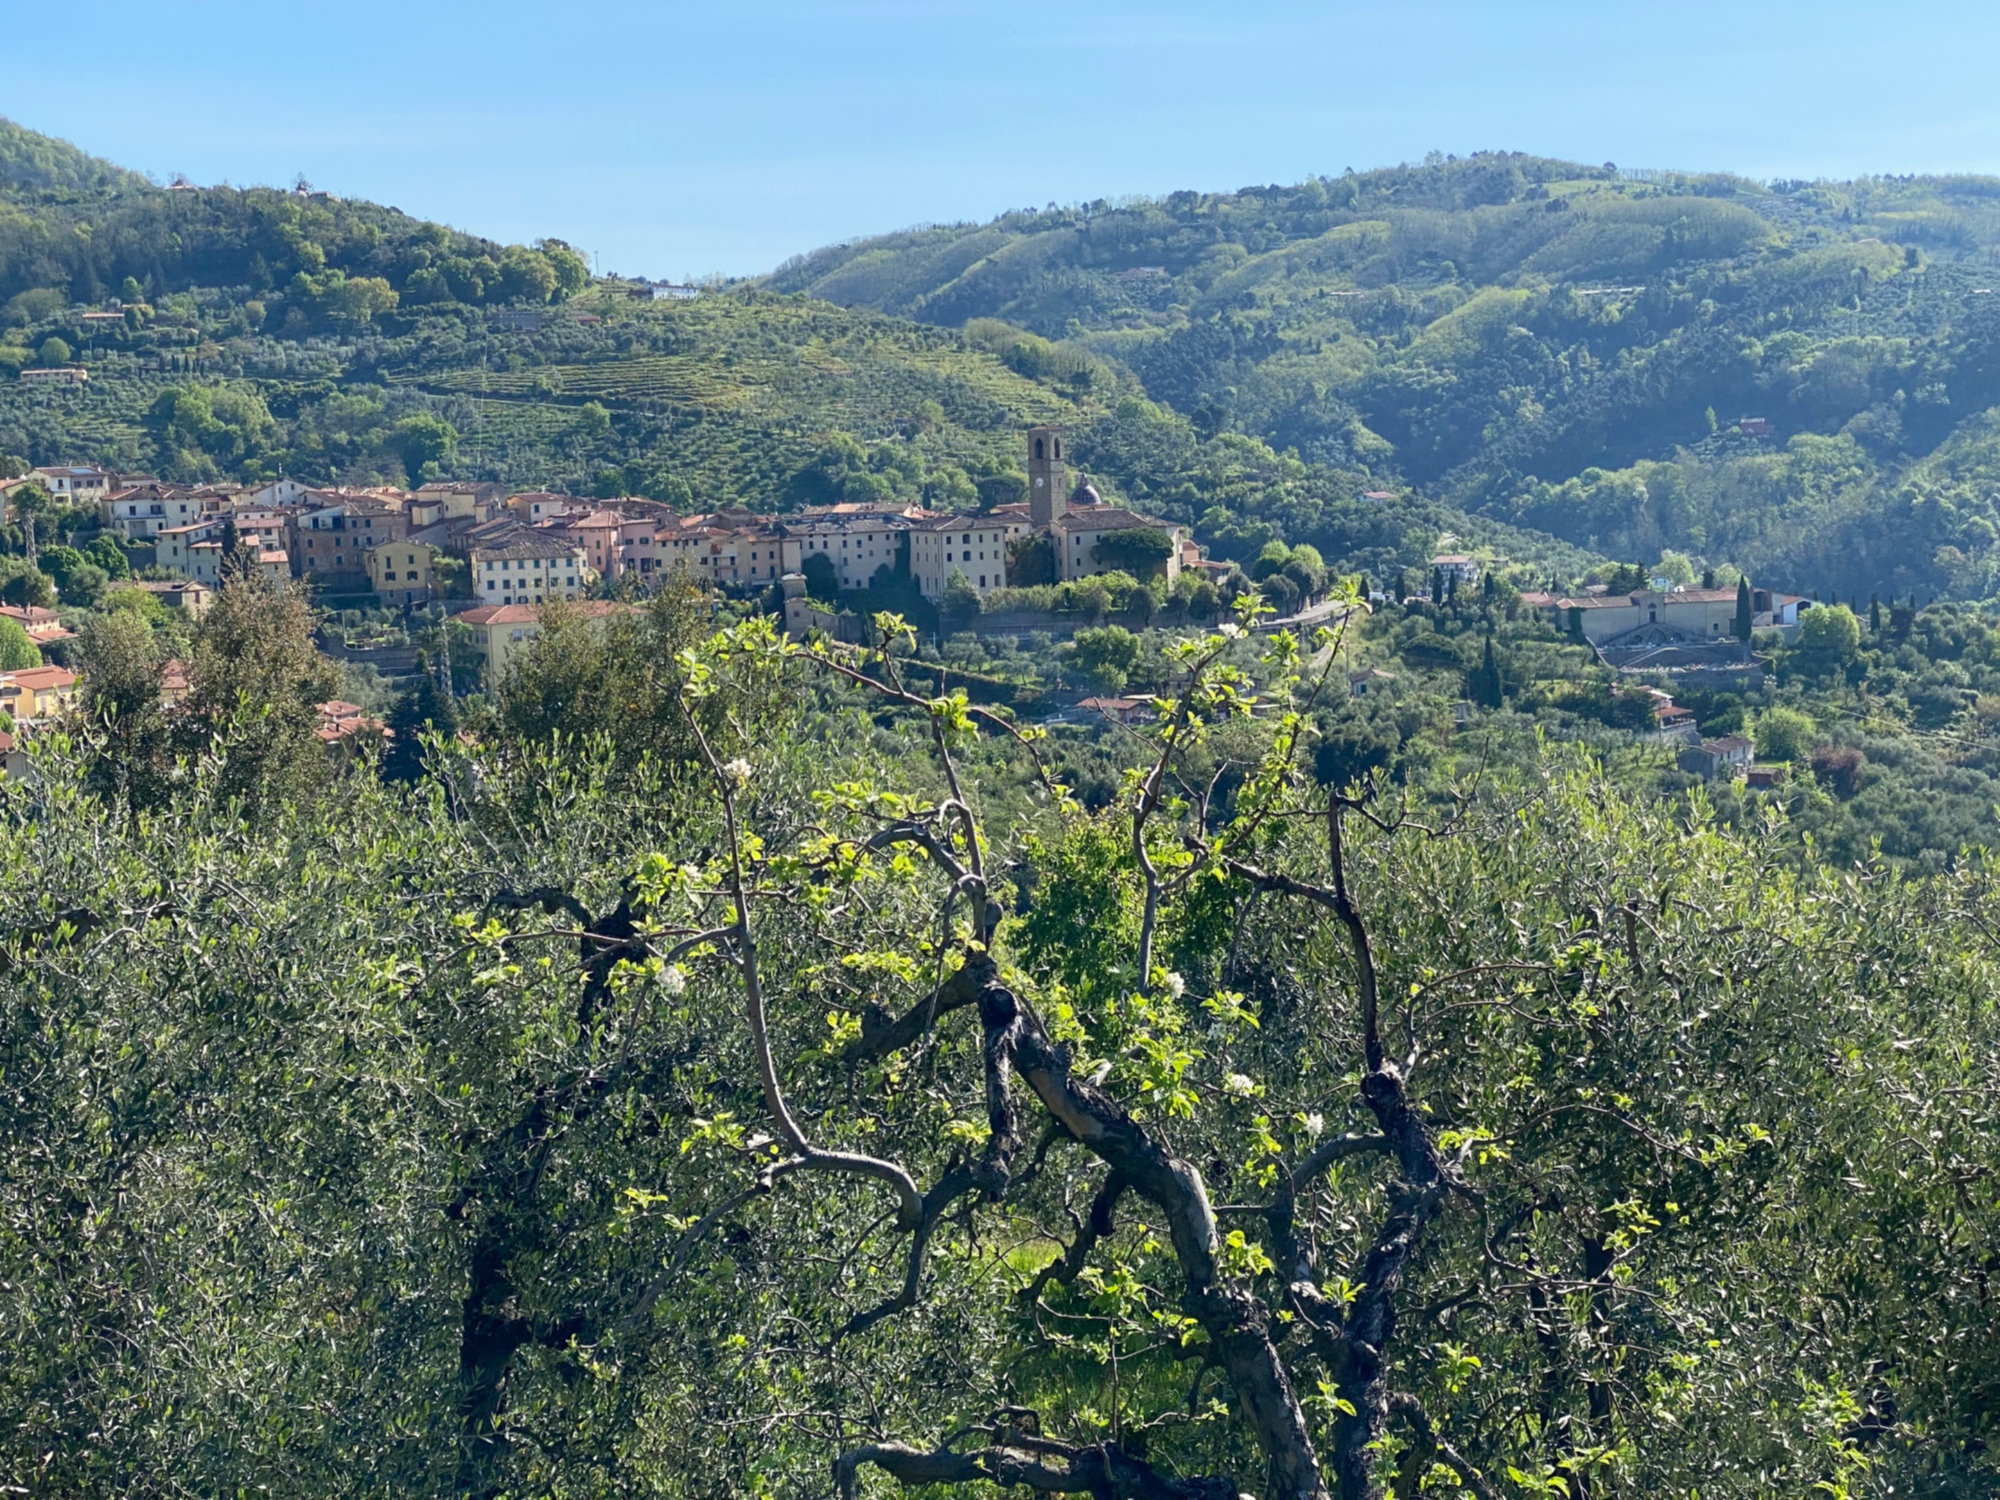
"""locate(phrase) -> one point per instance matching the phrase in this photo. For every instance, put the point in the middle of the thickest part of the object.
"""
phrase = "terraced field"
(661, 381)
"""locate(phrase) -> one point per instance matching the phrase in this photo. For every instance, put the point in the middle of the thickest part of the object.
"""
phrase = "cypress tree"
(1874, 614)
(1486, 688)
(423, 706)
(1743, 610)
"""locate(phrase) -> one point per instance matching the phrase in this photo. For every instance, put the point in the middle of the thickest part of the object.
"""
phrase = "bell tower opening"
(1048, 488)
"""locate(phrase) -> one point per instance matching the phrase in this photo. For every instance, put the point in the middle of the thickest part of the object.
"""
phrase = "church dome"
(1085, 493)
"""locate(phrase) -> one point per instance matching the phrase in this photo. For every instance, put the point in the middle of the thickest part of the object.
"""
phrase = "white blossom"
(738, 771)
(1176, 986)
(674, 980)
(1231, 630)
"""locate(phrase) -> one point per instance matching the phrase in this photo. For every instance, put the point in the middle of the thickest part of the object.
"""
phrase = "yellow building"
(400, 572)
(503, 632)
(36, 692)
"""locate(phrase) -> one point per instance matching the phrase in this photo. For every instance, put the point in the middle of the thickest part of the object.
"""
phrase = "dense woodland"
(1557, 346)
(701, 1064)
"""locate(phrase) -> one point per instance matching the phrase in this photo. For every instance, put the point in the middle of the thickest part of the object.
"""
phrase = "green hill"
(248, 332)
(1518, 335)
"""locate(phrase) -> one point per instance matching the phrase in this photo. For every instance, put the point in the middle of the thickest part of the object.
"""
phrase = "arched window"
(1038, 449)
(1058, 447)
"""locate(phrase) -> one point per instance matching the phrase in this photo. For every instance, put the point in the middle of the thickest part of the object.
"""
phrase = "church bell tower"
(1048, 484)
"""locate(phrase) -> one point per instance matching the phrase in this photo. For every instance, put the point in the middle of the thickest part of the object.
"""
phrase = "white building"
(525, 568)
(972, 544)
(76, 484)
(857, 545)
(145, 510)
(1076, 533)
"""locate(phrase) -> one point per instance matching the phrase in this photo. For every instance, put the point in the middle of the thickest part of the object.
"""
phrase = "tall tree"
(255, 682)
(425, 707)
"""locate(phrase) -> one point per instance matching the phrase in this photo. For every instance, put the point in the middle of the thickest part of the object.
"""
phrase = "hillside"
(1543, 342)
(256, 331)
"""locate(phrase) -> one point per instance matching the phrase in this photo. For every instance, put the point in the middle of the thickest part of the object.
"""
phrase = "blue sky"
(688, 138)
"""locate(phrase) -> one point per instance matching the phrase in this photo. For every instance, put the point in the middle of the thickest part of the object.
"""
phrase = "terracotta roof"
(40, 678)
(1106, 518)
(963, 521)
(526, 544)
(531, 614)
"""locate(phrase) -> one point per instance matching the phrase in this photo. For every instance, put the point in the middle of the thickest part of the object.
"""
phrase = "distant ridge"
(36, 162)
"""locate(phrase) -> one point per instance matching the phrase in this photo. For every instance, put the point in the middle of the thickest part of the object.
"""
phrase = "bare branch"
(1098, 1469)
(1095, 1229)
(1326, 1153)
(1412, 1411)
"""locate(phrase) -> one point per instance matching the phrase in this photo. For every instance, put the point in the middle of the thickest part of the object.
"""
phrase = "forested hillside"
(266, 331)
(1561, 346)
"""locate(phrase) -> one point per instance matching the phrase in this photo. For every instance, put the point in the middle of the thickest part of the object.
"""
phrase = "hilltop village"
(386, 566)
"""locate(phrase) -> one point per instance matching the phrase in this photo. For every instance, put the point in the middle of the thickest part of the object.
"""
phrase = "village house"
(56, 375)
(197, 551)
(273, 493)
(971, 544)
(329, 543)
(1672, 724)
(184, 594)
(44, 626)
(344, 726)
(1122, 710)
(400, 572)
(76, 484)
(1456, 567)
(1077, 534)
(141, 511)
(1673, 614)
(533, 506)
(480, 501)
(858, 542)
(1718, 758)
(734, 558)
(35, 693)
(502, 632)
(13, 757)
(679, 542)
(599, 533)
(525, 567)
